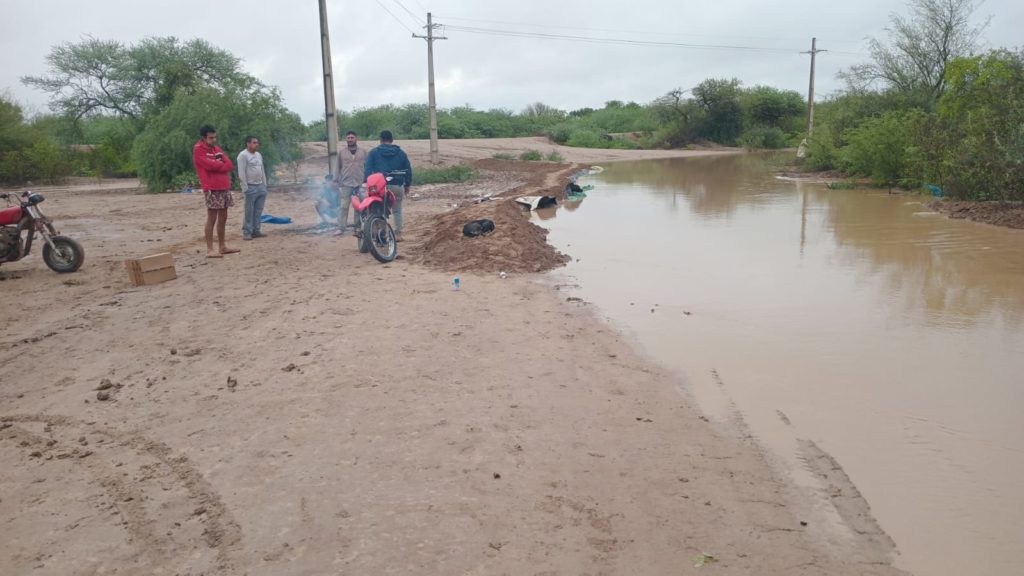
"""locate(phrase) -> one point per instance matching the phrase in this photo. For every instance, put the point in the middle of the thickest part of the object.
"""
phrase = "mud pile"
(516, 245)
(1008, 214)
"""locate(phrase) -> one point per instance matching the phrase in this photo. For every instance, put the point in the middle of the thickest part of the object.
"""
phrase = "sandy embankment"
(301, 409)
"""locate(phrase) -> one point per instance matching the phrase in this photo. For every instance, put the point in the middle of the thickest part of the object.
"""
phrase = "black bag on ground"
(478, 228)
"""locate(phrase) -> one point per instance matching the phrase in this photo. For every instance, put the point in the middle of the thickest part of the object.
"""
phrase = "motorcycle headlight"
(35, 198)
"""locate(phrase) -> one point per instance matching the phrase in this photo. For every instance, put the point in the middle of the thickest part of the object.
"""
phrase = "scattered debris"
(105, 384)
(103, 395)
(703, 559)
(480, 227)
(537, 202)
(289, 368)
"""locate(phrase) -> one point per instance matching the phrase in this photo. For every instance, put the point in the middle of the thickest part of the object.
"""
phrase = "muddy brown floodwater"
(855, 321)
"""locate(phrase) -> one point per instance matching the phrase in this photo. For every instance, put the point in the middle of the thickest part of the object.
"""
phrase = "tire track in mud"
(876, 546)
(221, 532)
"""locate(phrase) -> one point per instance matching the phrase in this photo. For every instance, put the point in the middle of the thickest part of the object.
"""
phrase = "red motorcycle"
(374, 234)
(20, 222)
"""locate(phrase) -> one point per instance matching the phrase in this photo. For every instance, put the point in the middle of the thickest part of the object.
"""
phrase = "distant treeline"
(720, 111)
(927, 108)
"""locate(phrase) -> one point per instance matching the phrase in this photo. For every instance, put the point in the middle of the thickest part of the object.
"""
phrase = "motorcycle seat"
(10, 215)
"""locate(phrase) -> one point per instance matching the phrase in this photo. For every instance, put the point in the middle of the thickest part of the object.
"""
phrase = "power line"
(397, 19)
(410, 13)
(618, 31)
(422, 7)
(643, 32)
(608, 40)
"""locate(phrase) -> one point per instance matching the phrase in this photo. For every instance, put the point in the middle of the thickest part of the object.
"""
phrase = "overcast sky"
(376, 61)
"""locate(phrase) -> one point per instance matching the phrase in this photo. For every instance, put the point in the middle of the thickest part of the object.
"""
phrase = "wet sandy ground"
(301, 409)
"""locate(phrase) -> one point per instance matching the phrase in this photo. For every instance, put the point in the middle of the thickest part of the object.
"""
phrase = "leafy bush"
(554, 156)
(588, 139)
(28, 151)
(764, 138)
(880, 149)
(447, 174)
(164, 148)
(503, 156)
(975, 147)
(531, 155)
(821, 153)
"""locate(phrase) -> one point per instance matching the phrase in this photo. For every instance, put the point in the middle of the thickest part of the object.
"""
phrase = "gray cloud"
(376, 60)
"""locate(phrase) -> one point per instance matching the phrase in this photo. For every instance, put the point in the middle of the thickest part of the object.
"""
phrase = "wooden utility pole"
(329, 104)
(432, 99)
(810, 91)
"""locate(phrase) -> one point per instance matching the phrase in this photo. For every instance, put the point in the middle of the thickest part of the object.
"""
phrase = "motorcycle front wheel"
(381, 238)
(68, 256)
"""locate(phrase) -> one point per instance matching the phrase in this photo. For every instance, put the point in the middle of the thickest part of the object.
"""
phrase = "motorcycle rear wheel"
(68, 257)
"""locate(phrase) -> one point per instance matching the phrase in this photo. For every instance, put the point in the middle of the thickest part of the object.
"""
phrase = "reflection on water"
(892, 337)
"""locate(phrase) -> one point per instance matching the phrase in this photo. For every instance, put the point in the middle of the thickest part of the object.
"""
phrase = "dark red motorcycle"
(20, 222)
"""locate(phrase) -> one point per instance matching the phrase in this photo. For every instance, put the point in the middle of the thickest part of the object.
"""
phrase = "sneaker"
(258, 234)
(246, 237)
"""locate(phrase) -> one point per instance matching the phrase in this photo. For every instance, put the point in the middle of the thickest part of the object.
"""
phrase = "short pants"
(218, 199)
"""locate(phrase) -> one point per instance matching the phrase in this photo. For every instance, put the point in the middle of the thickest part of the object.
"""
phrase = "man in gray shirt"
(254, 187)
(349, 178)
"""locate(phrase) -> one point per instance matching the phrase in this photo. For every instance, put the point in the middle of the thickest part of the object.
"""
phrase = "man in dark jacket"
(391, 161)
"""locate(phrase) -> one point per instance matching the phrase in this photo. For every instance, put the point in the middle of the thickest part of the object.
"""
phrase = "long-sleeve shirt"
(350, 166)
(250, 169)
(214, 173)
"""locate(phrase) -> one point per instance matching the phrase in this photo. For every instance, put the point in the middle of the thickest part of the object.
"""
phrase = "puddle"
(892, 339)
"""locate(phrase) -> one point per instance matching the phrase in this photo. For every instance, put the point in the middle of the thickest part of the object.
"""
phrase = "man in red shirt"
(213, 167)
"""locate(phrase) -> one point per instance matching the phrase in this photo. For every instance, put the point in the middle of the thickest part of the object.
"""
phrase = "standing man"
(213, 168)
(391, 160)
(254, 187)
(351, 163)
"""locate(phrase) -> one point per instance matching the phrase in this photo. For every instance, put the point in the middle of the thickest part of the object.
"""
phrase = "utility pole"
(434, 155)
(810, 91)
(329, 105)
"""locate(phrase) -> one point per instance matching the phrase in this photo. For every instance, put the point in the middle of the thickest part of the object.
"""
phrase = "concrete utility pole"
(810, 91)
(434, 155)
(329, 105)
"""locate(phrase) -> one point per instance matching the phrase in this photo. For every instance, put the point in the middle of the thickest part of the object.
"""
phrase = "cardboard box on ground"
(151, 269)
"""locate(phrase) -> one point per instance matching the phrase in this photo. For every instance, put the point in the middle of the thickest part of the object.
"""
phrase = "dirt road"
(299, 408)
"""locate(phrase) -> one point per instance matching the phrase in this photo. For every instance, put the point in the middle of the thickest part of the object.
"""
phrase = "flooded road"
(891, 337)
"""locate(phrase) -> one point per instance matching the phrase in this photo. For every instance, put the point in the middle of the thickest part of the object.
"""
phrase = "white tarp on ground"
(535, 202)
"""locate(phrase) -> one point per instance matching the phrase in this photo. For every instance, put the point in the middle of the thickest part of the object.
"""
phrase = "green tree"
(884, 148)
(719, 99)
(96, 76)
(980, 136)
(163, 150)
(771, 107)
(29, 150)
(919, 49)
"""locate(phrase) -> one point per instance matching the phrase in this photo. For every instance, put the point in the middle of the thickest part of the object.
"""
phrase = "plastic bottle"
(456, 282)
